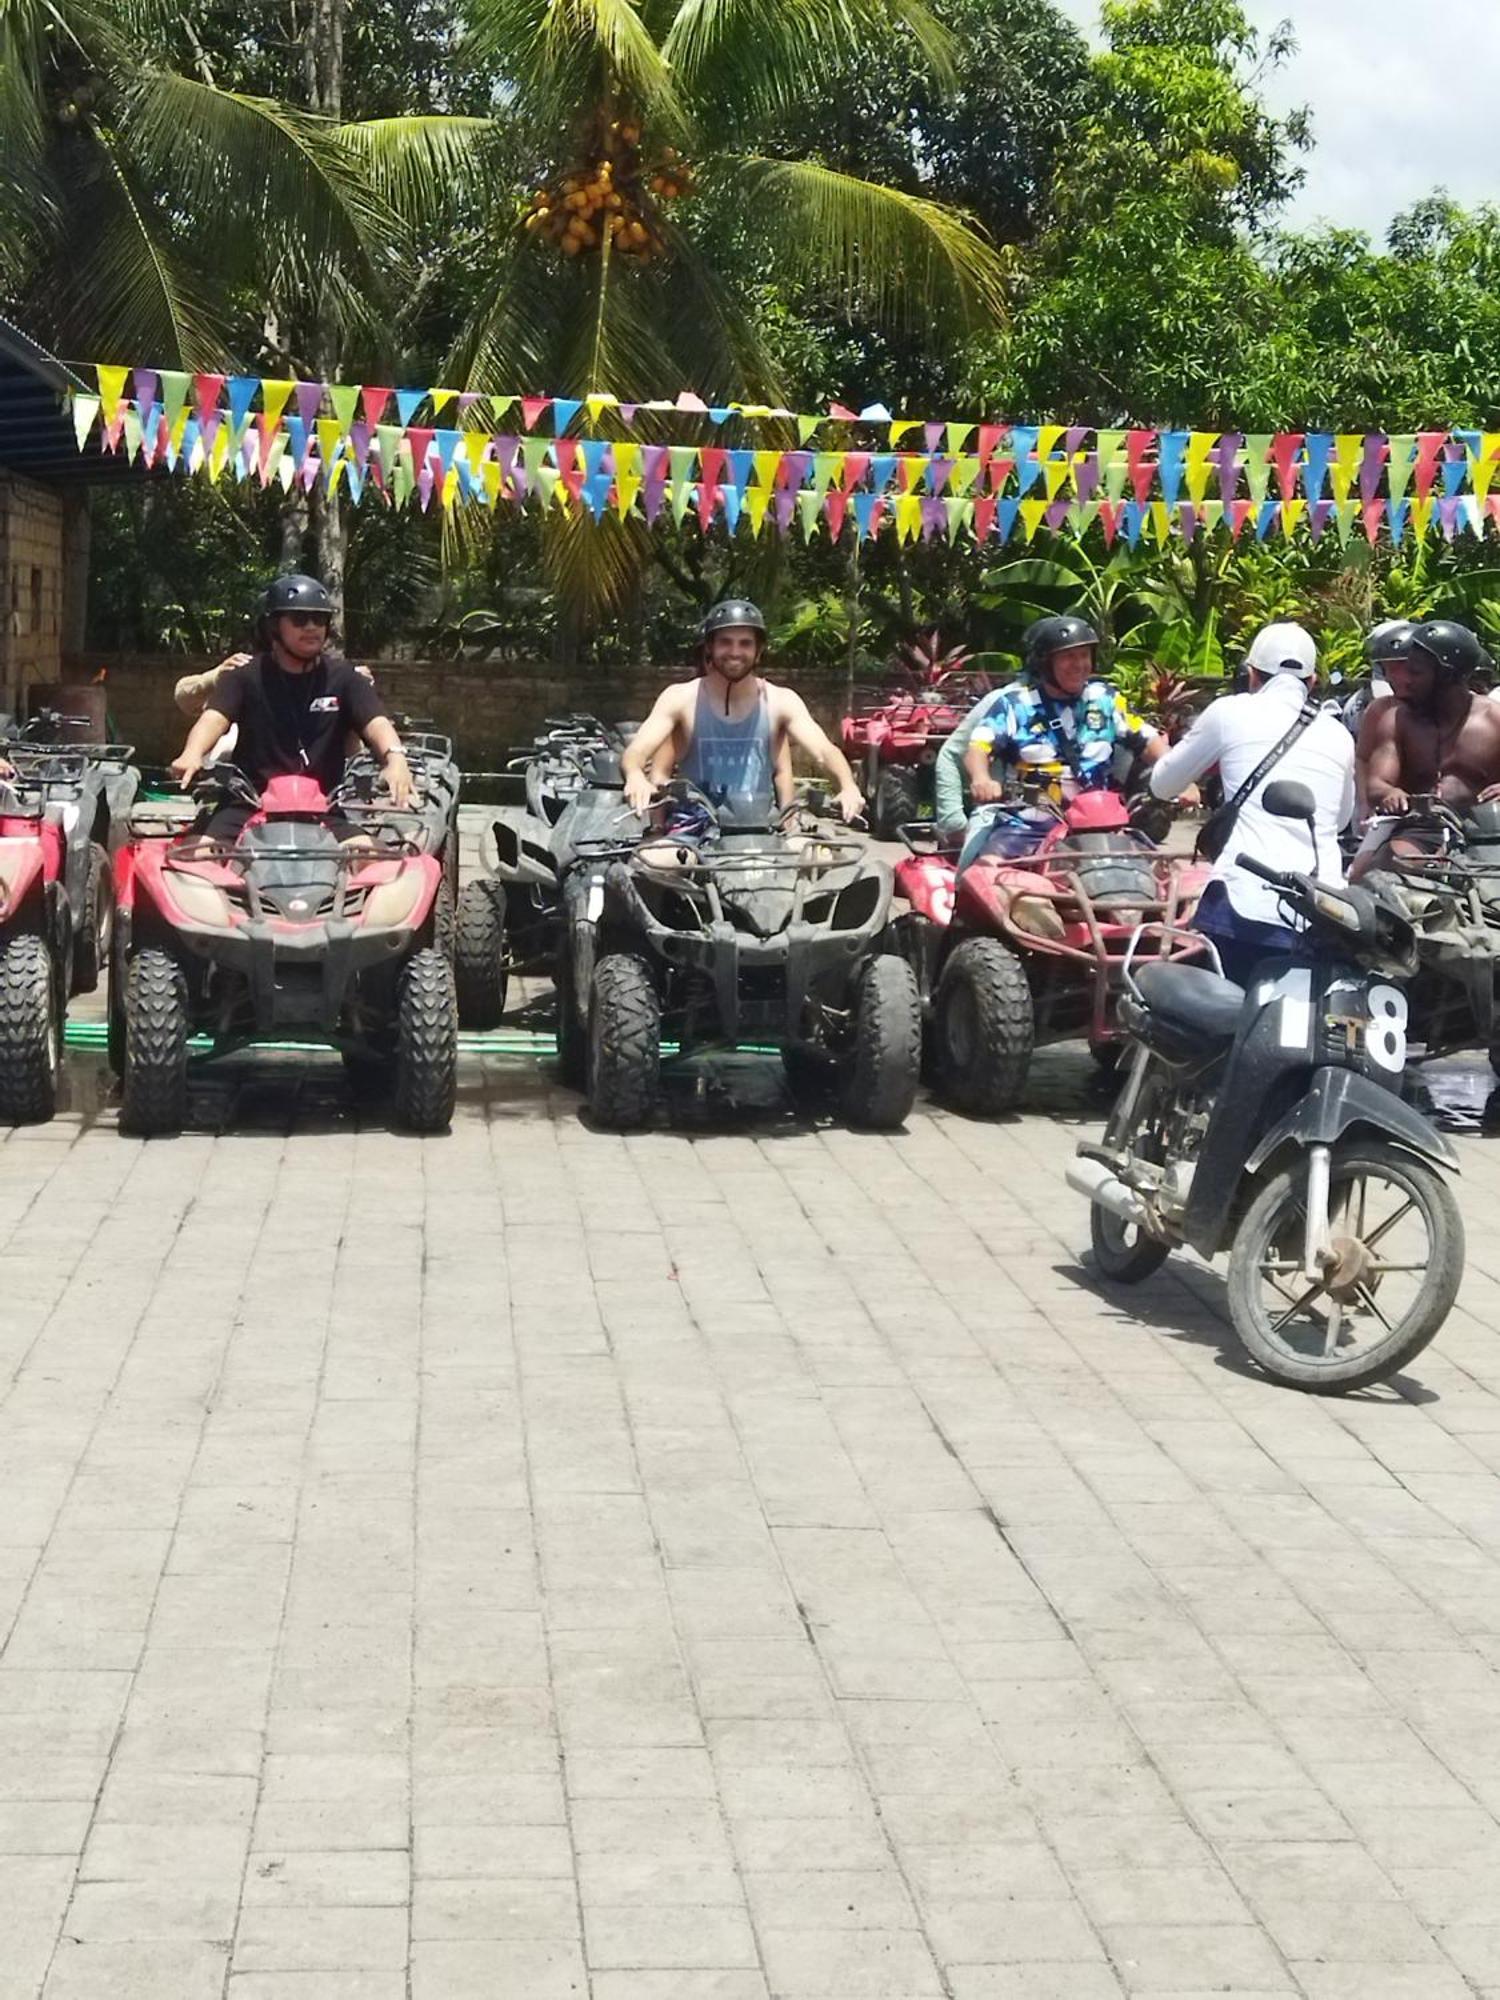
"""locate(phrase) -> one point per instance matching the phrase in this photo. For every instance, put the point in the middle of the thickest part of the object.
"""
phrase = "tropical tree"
(666, 203)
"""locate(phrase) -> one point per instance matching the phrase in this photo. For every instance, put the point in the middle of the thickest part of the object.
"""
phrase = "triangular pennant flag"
(447, 445)
(242, 391)
(275, 394)
(344, 396)
(374, 402)
(1228, 456)
(1109, 517)
(1318, 449)
(1429, 446)
(1024, 438)
(1055, 471)
(85, 409)
(1171, 450)
(806, 426)
(419, 437)
(1401, 451)
(1006, 514)
(564, 410)
(1033, 512)
(960, 513)
(965, 472)
(1373, 512)
(132, 432)
(1258, 467)
(387, 439)
(533, 408)
(874, 413)
(984, 517)
(596, 405)
(1455, 471)
(1347, 449)
(1292, 512)
(175, 383)
(1421, 517)
(956, 436)
(1286, 447)
(207, 390)
(330, 439)
(1396, 515)
(810, 511)
(1345, 513)
(112, 386)
(145, 386)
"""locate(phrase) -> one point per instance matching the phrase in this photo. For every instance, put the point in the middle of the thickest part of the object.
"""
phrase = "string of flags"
(989, 482)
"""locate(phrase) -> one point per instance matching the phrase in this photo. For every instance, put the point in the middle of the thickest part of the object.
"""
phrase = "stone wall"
(486, 708)
(31, 577)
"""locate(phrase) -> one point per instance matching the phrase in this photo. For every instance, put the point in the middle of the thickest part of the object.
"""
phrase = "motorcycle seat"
(1192, 999)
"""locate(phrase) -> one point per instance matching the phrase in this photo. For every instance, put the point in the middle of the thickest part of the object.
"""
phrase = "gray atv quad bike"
(509, 917)
(775, 934)
(90, 789)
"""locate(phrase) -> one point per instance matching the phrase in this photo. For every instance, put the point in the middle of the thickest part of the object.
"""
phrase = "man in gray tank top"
(731, 733)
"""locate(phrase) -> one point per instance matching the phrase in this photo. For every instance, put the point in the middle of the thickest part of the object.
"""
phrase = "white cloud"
(1402, 100)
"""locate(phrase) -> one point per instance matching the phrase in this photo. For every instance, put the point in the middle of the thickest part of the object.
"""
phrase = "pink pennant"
(533, 407)
(421, 437)
(844, 416)
(1285, 447)
(1429, 450)
(856, 468)
(1109, 519)
(710, 474)
(1239, 514)
(932, 436)
(569, 470)
(1000, 471)
(688, 401)
(835, 507)
(207, 390)
(1374, 513)
(989, 439)
(375, 402)
(627, 412)
(985, 509)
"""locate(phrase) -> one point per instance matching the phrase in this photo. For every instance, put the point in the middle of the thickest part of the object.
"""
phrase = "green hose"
(94, 1035)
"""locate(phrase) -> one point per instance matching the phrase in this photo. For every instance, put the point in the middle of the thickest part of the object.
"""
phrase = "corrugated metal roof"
(36, 428)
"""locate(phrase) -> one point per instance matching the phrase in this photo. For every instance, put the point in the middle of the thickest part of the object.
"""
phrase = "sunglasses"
(308, 617)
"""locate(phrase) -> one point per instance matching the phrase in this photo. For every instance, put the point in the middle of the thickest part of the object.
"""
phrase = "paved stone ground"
(748, 1560)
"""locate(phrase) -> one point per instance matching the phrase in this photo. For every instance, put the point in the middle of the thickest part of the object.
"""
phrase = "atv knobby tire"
(444, 922)
(878, 1086)
(624, 1043)
(30, 1032)
(479, 955)
(91, 933)
(153, 1082)
(985, 1028)
(897, 801)
(425, 1085)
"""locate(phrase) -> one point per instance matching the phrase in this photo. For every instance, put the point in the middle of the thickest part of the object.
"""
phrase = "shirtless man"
(729, 732)
(1434, 733)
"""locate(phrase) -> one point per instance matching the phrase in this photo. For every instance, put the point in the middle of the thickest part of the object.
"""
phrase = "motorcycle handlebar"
(1275, 876)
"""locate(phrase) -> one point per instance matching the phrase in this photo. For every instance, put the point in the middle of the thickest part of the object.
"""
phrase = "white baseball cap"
(1284, 649)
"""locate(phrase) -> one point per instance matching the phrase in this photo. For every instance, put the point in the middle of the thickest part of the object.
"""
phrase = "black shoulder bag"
(1213, 835)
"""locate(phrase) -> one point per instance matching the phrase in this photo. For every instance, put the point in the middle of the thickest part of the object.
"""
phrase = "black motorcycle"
(1269, 1123)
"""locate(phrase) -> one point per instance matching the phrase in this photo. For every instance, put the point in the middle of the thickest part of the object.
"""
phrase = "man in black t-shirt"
(294, 702)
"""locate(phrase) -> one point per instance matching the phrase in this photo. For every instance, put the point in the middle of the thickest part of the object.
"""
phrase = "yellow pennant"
(475, 445)
(908, 516)
(330, 438)
(1033, 513)
(627, 460)
(1292, 512)
(595, 404)
(441, 398)
(493, 476)
(1055, 473)
(218, 457)
(450, 487)
(1161, 522)
(757, 500)
(900, 429)
(274, 396)
(1421, 516)
(1048, 439)
(111, 389)
(1197, 472)
(767, 465)
(1482, 469)
(626, 489)
(1348, 450)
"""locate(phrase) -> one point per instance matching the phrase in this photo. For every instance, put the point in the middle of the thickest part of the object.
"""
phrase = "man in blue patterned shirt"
(1061, 721)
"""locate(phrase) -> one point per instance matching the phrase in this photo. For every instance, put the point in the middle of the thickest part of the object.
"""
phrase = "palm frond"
(896, 256)
(245, 164)
(559, 54)
(26, 204)
(595, 567)
(763, 55)
(118, 284)
(416, 165)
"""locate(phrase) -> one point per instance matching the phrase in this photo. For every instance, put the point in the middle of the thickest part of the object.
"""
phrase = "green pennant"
(403, 481)
(965, 472)
(1082, 516)
(533, 456)
(174, 394)
(1345, 513)
(1399, 467)
(1111, 445)
(1116, 472)
(810, 512)
(345, 399)
(1258, 465)
(683, 460)
(825, 468)
(546, 480)
(957, 436)
(387, 443)
(132, 432)
(806, 426)
(960, 513)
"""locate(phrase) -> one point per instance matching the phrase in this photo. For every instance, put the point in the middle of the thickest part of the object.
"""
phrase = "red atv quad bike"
(1014, 954)
(288, 932)
(893, 736)
(36, 948)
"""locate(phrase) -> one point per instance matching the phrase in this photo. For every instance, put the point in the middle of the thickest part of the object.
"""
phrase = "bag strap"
(1231, 809)
(1064, 738)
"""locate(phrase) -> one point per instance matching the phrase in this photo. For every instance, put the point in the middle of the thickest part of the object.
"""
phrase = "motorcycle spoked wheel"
(1401, 1241)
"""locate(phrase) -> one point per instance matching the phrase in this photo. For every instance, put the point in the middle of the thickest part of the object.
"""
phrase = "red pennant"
(835, 507)
(1239, 513)
(206, 392)
(1000, 471)
(856, 467)
(1142, 475)
(1429, 450)
(568, 467)
(1284, 449)
(375, 403)
(532, 407)
(989, 438)
(705, 501)
(1374, 513)
(985, 508)
(844, 416)
(1109, 516)
(1492, 508)
(420, 437)
(710, 474)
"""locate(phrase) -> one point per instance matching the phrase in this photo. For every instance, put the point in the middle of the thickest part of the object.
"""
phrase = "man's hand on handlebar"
(851, 802)
(988, 791)
(1393, 803)
(639, 792)
(398, 778)
(187, 770)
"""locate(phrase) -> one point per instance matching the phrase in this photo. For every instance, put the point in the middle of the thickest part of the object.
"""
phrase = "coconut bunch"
(615, 195)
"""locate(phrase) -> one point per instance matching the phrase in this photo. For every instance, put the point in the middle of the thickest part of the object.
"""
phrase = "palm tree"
(663, 206)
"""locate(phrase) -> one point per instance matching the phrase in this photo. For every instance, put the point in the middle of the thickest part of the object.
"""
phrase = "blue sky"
(1402, 95)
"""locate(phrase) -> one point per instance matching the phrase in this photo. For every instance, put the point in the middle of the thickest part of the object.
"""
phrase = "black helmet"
(1453, 647)
(1389, 641)
(296, 593)
(731, 615)
(1053, 635)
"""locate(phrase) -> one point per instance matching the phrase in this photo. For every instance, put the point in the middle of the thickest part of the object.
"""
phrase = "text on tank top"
(729, 760)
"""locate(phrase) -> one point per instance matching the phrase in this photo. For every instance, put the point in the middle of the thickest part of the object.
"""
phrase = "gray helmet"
(1389, 641)
(296, 593)
(1054, 635)
(731, 615)
(1456, 652)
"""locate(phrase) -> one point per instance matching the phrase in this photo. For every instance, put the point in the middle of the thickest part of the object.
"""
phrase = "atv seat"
(1192, 999)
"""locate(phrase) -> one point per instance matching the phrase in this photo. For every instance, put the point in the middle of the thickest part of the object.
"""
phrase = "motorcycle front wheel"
(1399, 1240)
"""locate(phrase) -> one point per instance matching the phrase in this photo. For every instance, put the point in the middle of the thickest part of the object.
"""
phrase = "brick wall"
(485, 708)
(31, 579)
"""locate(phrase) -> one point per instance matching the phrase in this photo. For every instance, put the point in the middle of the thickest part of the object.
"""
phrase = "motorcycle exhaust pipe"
(1094, 1180)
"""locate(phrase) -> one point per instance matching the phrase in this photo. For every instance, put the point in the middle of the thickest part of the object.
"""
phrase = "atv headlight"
(857, 904)
(392, 903)
(199, 901)
(1038, 917)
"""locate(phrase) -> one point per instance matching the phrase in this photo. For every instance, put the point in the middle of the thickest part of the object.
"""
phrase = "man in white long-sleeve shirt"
(1240, 912)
